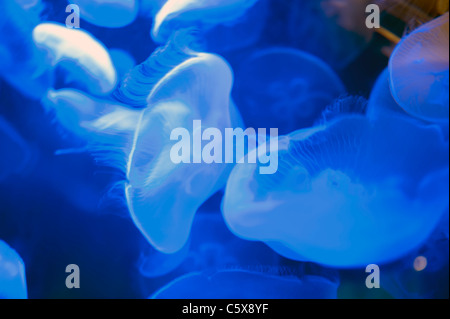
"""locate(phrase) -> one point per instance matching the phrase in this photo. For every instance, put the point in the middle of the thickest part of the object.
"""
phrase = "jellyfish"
(349, 193)
(284, 88)
(419, 71)
(179, 14)
(12, 274)
(85, 59)
(21, 63)
(108, 13)
(242, 284)
(164, 191)
(15, 153)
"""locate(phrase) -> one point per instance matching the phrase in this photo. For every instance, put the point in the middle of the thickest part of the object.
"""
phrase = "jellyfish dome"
(179, 14)
(284, 88)
(419, 71)
(163, 190)
(241, 284)
(108, 13)
(86, 60)
(12, 274)
(349, 193)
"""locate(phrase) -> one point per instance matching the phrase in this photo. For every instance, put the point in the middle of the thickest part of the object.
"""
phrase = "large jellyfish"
(242, 284)
(108, 13)
(12, 274)
(163, 190)
(21, 63)
(178, 14)
(85, 59)
(284, 88)
(349, 193)
(14, 152)
(419, 70)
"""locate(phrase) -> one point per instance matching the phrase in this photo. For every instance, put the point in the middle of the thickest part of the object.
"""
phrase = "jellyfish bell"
(178, 14)
(419, 71)
(162, 194)
(284, 88)
(341, 191)
(86, 60)
(108, 13)
(252, 285)
(12, 274)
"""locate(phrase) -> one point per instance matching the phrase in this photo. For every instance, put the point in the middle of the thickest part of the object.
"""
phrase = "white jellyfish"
(12, 274)
(419, 71)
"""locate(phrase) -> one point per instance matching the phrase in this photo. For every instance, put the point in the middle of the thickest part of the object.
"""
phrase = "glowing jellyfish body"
(91, 118)
(21, 63)
(164, 193)
(87, 61)
(108, 13)
(12, 274)
(284, 88)
(240, 284)
(419, 70)
(179, 14)
(14, 152)
(342, 190)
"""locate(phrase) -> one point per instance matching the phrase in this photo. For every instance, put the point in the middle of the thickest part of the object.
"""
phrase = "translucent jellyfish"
(21, 63)
(108, 124)
(284, 88)
(164, 193)
(241, 284)
(12, 274)
(349, 193)
(13, 149)
(419, 70)
(178, 14)
(108, 13)
(86, 60)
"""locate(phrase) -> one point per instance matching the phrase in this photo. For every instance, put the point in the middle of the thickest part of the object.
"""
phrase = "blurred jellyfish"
(12, 274)
(420, 273)
(179, 14)
(108, 13)
(284, 88)
(419, 71)
(333, 30)
(106, 125)
(21, 63)
(14, 151)
(154, 178)
(241, 284)
(85, 59)
(342, 190)
(123, 61)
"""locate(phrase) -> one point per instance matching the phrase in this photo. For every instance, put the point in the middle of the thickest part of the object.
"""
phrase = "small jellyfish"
(284, 88)
(108, 13)
(163, 190)
(14, 152)
(419, 71)
(107, 126)
(12, 274)
(242, 284)
(21, 63)
(349, 193)
(85, 59)
(179, 14)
